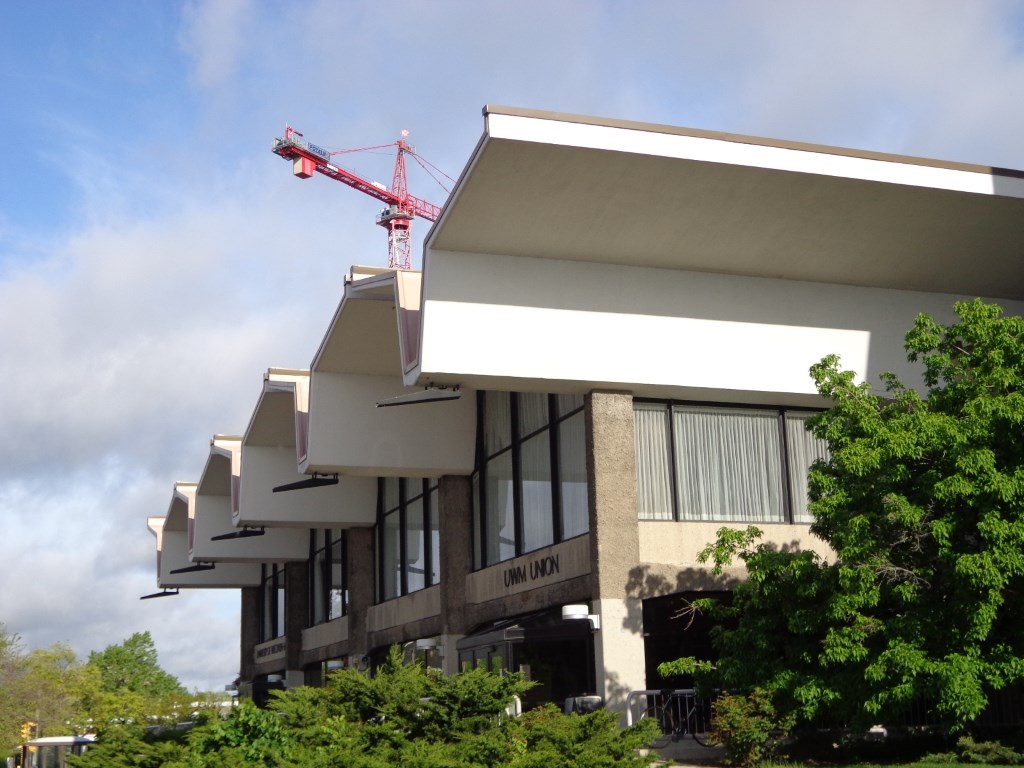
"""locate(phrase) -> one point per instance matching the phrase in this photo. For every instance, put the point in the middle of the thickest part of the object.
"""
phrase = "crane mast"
(400, 207)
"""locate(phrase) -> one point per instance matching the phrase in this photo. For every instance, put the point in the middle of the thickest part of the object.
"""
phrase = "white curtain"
(728, 464)
(501, 543)
(497, 422)
(389, 556)
(804, 448)
(533, 412)
(653, 480)
(572, 464)
(535, 469)
(435, 534)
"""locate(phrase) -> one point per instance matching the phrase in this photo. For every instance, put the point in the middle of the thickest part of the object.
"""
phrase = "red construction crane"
(307, 158)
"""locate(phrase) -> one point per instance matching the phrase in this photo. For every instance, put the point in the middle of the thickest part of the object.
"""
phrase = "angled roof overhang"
(371, 343)
(558, 186)
(172, 543)
(216, 499)
(270, 457)
(698, 258)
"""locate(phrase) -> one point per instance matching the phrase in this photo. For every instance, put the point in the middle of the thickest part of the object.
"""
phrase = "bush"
(748, 726)
(986, 752)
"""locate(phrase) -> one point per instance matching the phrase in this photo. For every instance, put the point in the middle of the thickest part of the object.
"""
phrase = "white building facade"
(603, 361)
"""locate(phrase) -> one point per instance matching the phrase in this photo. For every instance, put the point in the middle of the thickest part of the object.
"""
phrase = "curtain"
(501, 543)
(389, 557)
(435, 534)
(415, 571)
(653, 481)
(572, 464)
(804, 449)
(728, 464)
(535, 471)
(533, 412)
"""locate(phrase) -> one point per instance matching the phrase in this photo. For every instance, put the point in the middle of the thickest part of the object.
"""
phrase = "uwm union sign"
(540, 568)
(562, 562)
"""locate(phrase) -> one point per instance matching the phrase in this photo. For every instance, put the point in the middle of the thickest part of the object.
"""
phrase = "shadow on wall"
(649, 580)
(617, 694)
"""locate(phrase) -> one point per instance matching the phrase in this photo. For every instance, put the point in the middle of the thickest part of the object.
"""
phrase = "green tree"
(132, 666)
(124, 684)
(11, 658)
(922, 502)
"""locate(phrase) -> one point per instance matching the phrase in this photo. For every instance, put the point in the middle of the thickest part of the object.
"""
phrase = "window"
(530, 485)
(408, 536)
(698, 462)
(328, 595)
(272, 591)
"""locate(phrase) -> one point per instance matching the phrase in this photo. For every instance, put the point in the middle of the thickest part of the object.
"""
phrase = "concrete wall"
(353, 501)
(349, 433)
(548, 323)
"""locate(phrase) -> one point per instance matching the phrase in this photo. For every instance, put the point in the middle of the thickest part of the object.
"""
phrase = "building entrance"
(556, 654)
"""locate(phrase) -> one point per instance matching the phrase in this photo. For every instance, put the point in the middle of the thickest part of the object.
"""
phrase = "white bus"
(48, 752)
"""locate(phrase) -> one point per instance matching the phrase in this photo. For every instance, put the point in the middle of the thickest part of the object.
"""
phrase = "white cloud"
(215, 34)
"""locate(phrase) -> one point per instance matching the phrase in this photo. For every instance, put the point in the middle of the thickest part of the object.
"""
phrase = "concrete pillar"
(250, 632)
(296, 617)
(455, 494)
(614, 546)
(361, 588)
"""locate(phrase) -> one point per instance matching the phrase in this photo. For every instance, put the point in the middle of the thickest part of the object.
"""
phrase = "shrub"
(748, 726)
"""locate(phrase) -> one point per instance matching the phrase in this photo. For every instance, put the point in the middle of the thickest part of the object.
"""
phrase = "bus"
(48, 752)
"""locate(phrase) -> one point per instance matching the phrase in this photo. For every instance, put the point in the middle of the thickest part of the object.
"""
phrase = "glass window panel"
(501, 544)
(569, 403)
(413, 488)
(279, 627)
(728, 464)
(415, 552)
(535, 470)
(804, 449)
(533, 412)
(572, 465)
(316, 586)
(389, 557)
(391, 494)
(477, 524)
(338, 599)
(497, 422)
(267, 608)
(435, 536)
(653, 475)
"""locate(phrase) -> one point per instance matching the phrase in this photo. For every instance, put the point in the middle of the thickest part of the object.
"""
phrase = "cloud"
(215, 34)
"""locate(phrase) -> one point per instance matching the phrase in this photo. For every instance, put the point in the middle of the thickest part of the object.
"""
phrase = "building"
(604, 359)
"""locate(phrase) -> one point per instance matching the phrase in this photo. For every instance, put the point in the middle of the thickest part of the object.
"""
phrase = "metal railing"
(678, 711)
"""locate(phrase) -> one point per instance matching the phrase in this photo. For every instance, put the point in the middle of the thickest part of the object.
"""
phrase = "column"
(614, 547)
(455, 495)
(361, 588)
(296, 619)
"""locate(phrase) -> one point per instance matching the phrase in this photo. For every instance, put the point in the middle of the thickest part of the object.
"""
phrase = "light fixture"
(581, 612)
(316, 481)
(163, 593)
(426, 395)
(195, 568)
(245, 533)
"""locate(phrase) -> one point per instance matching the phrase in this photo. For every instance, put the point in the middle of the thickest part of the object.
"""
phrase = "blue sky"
(156, 258)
